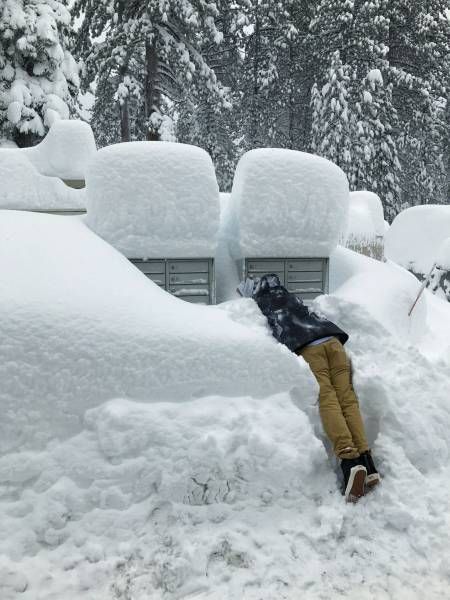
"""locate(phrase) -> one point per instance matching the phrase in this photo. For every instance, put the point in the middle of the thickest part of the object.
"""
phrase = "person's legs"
(331, 413)
(340, 377)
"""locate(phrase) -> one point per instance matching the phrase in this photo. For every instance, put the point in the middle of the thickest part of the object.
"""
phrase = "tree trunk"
(152, 92)
(124, 121)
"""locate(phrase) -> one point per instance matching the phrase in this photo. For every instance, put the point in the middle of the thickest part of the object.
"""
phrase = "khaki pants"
(338, 404)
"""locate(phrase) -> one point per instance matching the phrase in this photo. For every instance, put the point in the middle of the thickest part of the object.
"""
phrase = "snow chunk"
(287, 203)
(66, 150)
(24, 188)
(416, 235)
(81, 325)
(154, 199)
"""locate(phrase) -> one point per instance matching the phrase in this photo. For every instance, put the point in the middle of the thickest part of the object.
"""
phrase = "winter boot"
(373, 477)
(354, 478)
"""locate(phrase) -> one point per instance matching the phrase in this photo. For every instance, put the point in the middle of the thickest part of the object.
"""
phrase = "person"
(321, 343)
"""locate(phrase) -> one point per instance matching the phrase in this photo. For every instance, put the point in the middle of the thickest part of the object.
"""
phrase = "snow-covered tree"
(149, 53)
(38, 75)
(332, 124)
(375, 158)
(419, 52)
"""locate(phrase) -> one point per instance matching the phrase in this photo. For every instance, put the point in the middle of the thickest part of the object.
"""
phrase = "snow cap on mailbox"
(66, 150)
(154, 200)
(287, 203)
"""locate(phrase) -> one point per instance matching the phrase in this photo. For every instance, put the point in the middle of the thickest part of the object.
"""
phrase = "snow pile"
(443, 256)
(66, 150)
(385, 290)
(154, 199)
(366, 226)
(416, 236)
(22, 187)
(234, 497)
(5, 143)
(80, 325)
(287, 203)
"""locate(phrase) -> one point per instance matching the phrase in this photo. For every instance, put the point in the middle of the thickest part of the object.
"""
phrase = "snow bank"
(66, 150)
(386, 291)
(154, 199)
(22, 187)
(80, 325)
(234, 497)
(443, 256)
(416, 236)
(287, 203)
(366, 225)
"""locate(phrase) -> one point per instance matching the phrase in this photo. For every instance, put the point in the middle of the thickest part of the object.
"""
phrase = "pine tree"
(332, 125)
(151, 57)
(38, 76)
(419, 51)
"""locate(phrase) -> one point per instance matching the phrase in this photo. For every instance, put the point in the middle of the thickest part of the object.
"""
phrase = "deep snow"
(110, 489)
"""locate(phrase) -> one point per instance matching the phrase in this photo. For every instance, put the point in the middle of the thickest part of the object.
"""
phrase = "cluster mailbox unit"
(305, 277)
(190, 279)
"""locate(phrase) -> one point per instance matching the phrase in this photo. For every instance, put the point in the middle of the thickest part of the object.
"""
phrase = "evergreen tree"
(150, 54)
(38, 76)
(332, 124)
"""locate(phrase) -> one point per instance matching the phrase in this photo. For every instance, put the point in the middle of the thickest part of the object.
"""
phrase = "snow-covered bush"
(154, 199)
(366, 226)
(287, 203)
(416, 239)
(23, 187)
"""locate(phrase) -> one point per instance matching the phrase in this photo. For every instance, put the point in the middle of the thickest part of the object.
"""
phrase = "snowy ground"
(217, 495)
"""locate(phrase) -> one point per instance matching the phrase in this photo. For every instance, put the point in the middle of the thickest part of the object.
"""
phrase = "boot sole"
(355, 486)
(373, 480)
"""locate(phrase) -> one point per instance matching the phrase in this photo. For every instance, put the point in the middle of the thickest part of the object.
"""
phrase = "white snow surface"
(23, 187)
(157, 450)
(443, 255)
(287, 203)
(81, 325)
(416, 236)
(366, 217)
(154, 199)
(66, 150)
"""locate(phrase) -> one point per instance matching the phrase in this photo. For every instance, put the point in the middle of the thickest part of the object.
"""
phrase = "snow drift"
(286, 203)
(23, 187)
(366, 226)
(66, 150)
(416, 235)
(80, 325)
(154, 200)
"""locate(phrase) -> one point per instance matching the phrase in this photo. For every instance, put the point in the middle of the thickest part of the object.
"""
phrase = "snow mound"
(66, 150)
(234, 497)
(416, 235)
(24, 188)
(366, 217)
(443, 256)
(80, 325)
(154, 199)
(287, 203)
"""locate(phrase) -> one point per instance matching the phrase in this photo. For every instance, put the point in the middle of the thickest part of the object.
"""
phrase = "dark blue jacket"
(290, 320)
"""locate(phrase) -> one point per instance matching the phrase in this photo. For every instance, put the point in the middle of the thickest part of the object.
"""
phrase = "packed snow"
(443, 255)
(154, 449)
(113, 489)
(416, 236)
(66, 150)
(154, 199)
(287, 203)
(366, 217)
(81, 325)
(23, 187)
